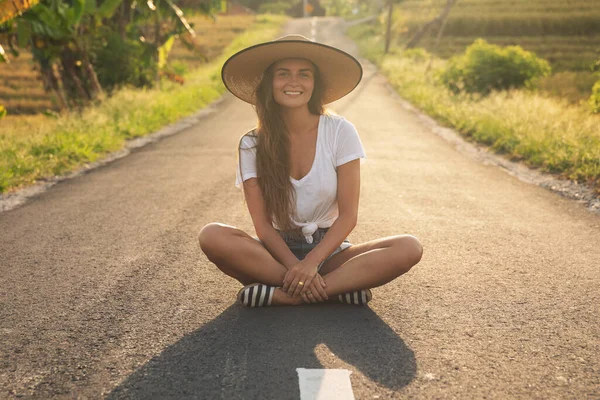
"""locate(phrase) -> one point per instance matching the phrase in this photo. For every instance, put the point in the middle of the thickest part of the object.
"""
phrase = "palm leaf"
(108, 8)
(163, 52)
(75, 12)
(10, 9)
(3, 57)
(177, 11)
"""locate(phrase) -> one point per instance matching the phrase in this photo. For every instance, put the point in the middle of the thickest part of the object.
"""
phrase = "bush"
(280, 7)
(3, 112)
(485, 67)
(123, 62)
(594, 100)
(417, 54)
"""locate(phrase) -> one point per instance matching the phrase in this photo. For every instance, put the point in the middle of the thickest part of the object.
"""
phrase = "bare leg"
(371, 264)
(240, 256)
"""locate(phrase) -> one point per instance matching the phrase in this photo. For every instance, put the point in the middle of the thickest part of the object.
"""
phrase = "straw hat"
(340, 72)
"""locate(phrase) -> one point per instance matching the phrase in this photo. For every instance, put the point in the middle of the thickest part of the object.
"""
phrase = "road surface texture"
(104, 291)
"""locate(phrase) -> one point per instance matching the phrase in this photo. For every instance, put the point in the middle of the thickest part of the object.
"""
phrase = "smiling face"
(293, 82)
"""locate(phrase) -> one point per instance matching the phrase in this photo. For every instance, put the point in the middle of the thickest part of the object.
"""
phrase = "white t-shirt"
(316, 193)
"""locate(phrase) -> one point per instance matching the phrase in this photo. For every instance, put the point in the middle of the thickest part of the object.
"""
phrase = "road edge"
(481, 153)
(12, 200)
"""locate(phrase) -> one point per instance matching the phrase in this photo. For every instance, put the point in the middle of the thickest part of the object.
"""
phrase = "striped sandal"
(358, 297)
(256, 295)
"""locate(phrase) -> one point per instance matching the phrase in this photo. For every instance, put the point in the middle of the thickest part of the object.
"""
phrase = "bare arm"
(348, 192)
(264, 227)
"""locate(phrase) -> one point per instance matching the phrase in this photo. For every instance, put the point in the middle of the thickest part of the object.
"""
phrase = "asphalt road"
(105, 292)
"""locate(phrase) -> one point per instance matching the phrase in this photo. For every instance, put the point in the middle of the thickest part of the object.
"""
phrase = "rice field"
(22, 91)
(566, 33)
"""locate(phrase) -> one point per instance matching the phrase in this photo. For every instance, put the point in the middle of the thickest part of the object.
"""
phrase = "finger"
(293, 288)
(317, 287)
(307, 282)
(314, 294)
(321, 291)
(323, 286)
(322, 281)
(302, 288)
(288, 280)
(305, 298)
(310, 294)
(298, 289)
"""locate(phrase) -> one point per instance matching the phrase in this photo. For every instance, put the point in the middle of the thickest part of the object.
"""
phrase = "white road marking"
(325, 384)
(313, 29)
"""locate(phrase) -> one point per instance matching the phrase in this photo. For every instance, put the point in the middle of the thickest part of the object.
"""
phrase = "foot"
(280, 298)
(256, 295)
(358, 297)
(261, 295)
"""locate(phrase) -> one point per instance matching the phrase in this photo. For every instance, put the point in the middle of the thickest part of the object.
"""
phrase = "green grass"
(538, 129)
(40, 147)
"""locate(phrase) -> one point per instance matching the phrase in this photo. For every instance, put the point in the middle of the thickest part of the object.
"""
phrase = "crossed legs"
(361, 266)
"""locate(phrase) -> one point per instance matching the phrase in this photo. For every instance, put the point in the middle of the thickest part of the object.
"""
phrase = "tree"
(63, 37)
(9, 9)
(439, 20)
(388, 31)
(52, 29)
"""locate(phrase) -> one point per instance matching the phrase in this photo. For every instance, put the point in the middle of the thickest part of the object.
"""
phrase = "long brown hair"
(273, 150)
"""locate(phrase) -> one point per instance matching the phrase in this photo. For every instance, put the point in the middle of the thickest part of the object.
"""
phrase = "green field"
(566, 33)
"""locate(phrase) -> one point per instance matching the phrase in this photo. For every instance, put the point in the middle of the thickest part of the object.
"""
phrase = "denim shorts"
(300, 248)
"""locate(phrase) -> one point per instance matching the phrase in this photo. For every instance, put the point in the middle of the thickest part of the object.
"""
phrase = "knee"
(209, 237)
(411, 249)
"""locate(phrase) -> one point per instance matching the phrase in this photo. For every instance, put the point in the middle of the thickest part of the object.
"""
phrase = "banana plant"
(12, 8)
(168, 24)
(60, 33)
(53, 29)
(3, 57)
(9, 9)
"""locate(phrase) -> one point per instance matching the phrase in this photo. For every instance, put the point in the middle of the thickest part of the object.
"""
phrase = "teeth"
(292, 92)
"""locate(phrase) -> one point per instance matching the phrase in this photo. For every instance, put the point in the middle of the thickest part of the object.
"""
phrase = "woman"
(300, 174)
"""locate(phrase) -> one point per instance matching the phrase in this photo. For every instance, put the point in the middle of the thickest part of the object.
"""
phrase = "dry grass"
(572, 86)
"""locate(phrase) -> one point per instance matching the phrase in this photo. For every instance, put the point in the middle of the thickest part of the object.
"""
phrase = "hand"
(299, 278)
(315, 293)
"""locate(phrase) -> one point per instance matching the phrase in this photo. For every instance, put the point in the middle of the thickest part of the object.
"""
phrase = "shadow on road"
(254, 354)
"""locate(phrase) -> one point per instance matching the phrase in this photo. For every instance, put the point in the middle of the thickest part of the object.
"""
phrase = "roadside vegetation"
(498, 92)
(566, 34)
(36, 147)
(22, 89)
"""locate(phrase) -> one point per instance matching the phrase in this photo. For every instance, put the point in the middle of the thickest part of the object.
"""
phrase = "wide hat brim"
(340, 72)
